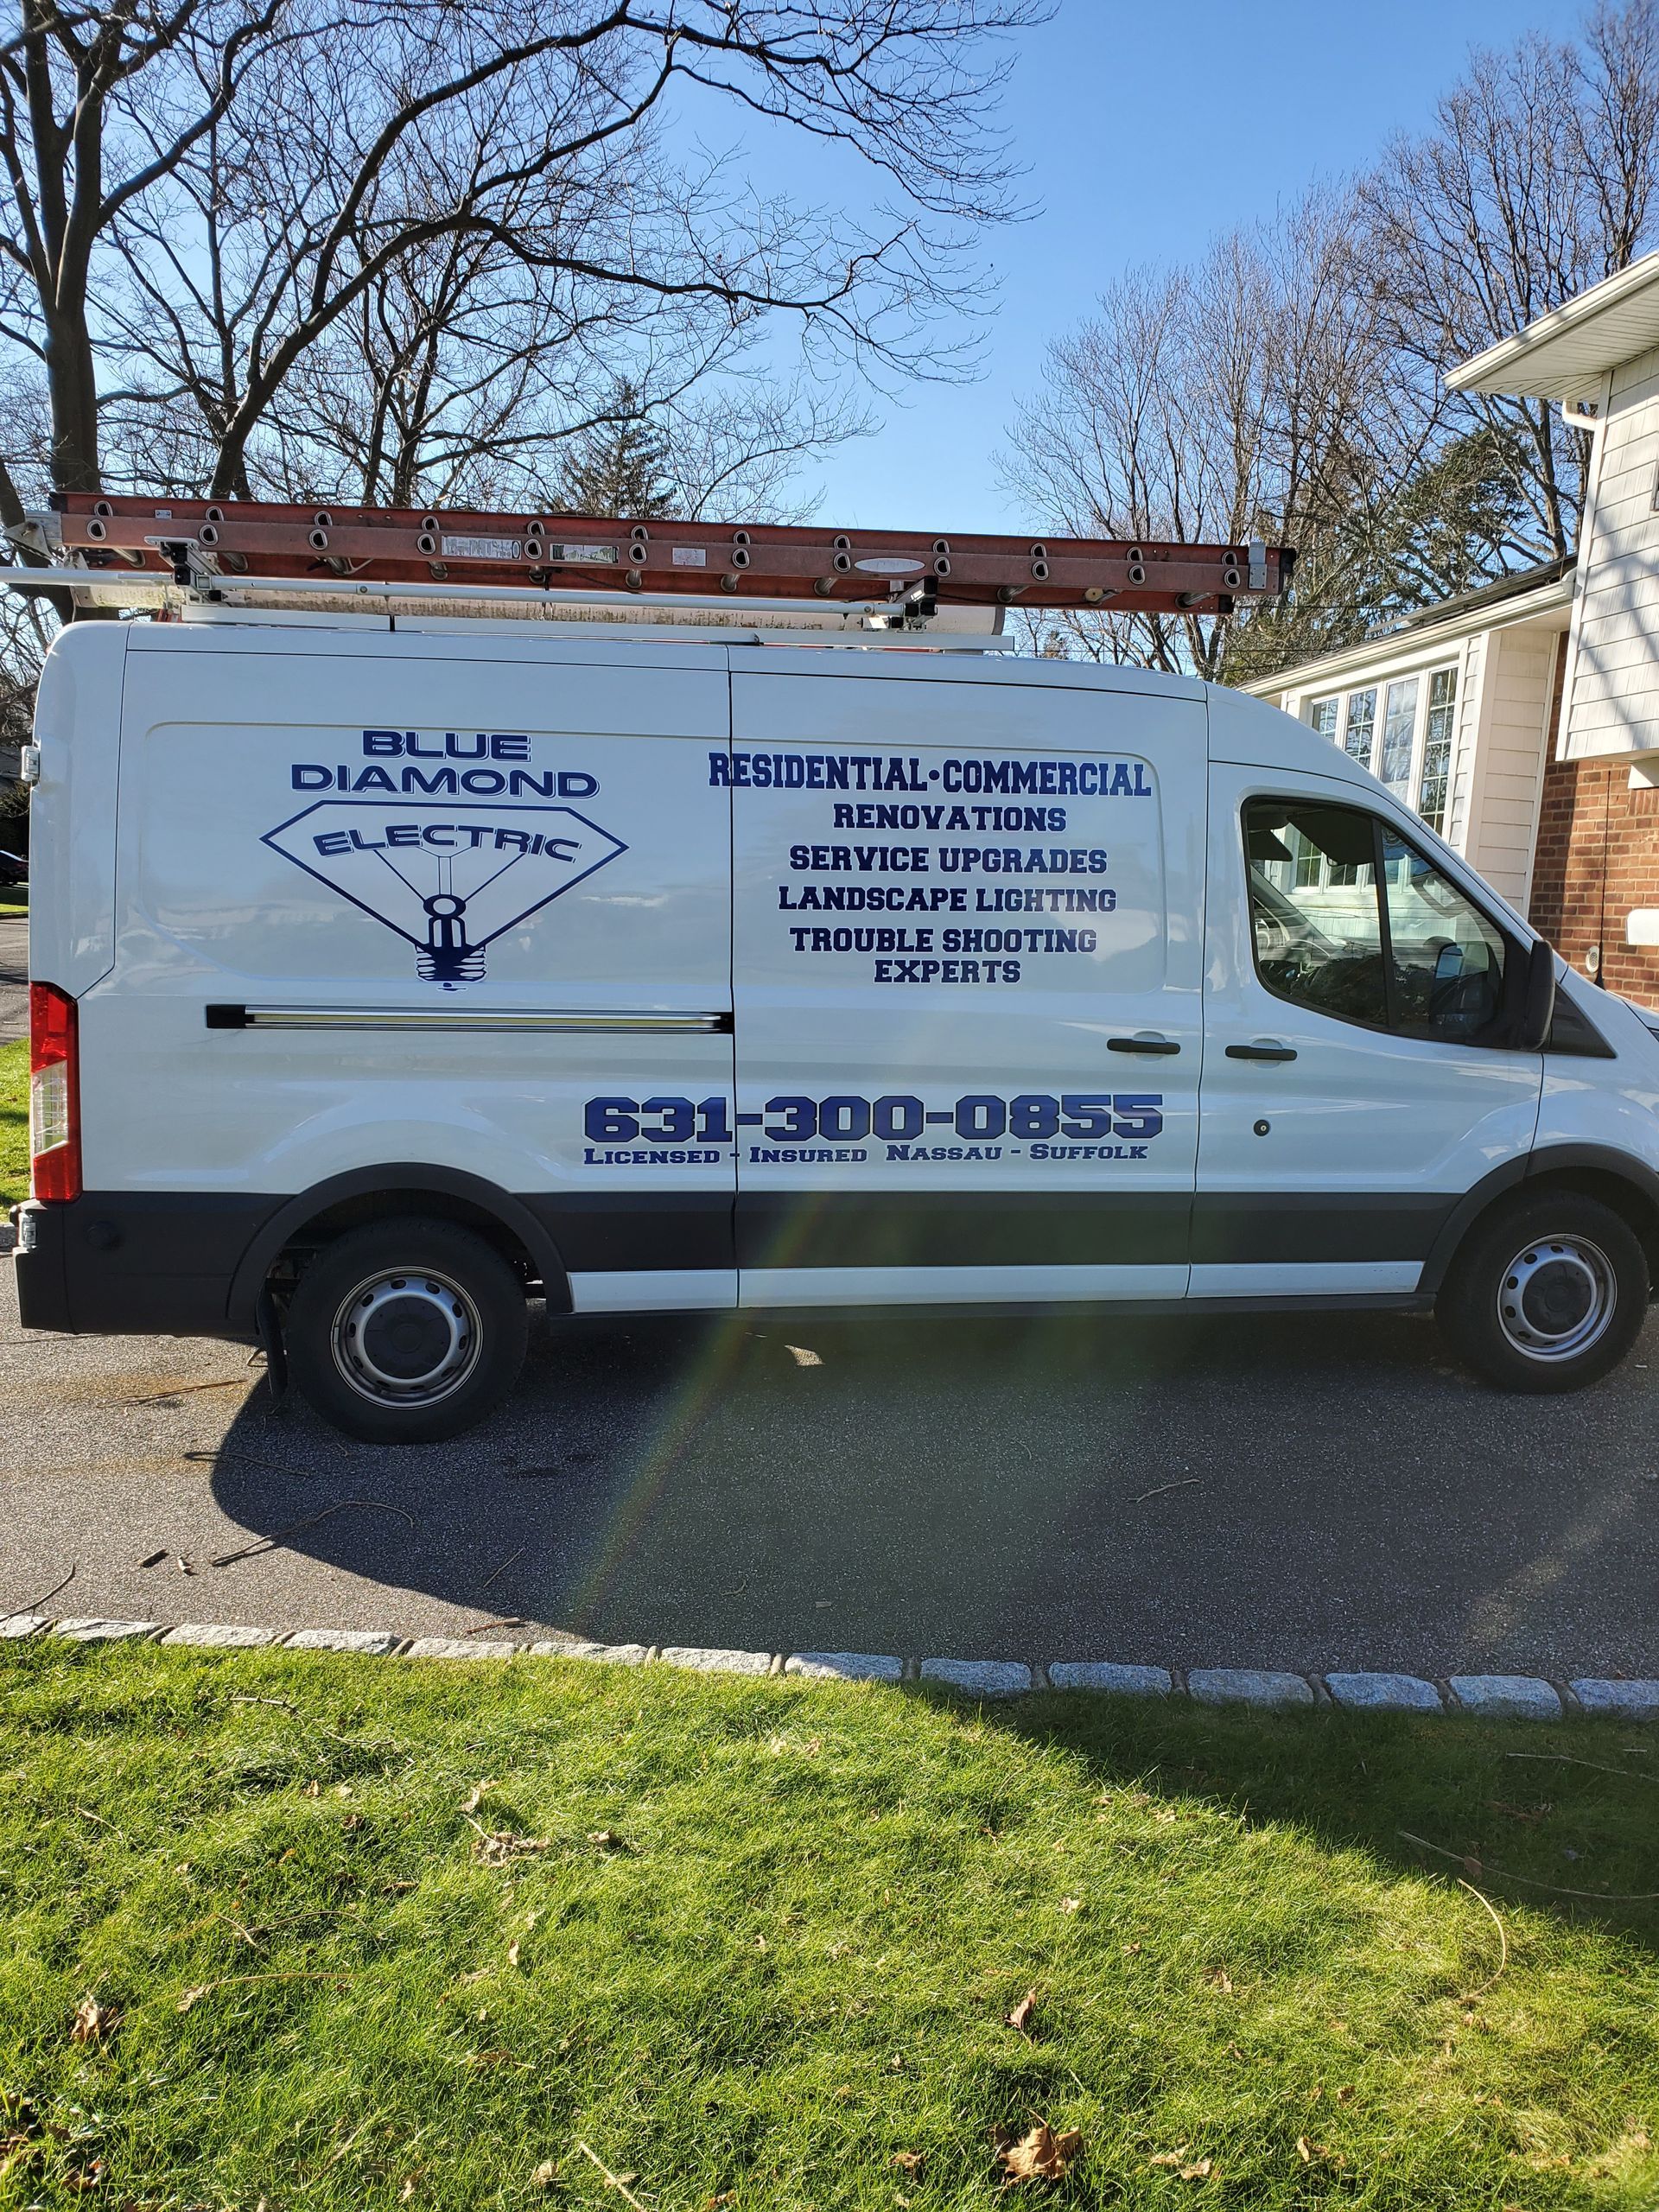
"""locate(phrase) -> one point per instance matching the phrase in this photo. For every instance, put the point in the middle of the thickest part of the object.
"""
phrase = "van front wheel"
(1547, 1294)
(406, 1331)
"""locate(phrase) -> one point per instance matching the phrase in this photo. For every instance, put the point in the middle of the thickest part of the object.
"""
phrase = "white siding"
(1613, 704)
(1509, 770)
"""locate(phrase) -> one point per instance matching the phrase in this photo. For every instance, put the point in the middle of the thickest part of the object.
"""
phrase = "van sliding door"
(967, 938)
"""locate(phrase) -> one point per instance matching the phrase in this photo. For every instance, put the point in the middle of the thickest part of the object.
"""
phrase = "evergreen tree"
(621, 467)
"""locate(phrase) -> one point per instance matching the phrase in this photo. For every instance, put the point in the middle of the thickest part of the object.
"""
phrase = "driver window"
(1349, 919)
(1446, 960)
(1314, 915)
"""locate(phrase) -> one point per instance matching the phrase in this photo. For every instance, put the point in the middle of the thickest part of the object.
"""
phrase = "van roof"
(921, 660)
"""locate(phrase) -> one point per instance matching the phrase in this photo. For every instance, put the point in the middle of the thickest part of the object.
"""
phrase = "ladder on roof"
(133, 550)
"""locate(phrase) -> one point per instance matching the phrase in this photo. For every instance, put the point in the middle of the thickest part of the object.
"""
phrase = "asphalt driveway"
(1312, 1493)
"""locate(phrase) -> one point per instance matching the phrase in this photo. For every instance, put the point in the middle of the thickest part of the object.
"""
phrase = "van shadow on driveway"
(1311, 1493)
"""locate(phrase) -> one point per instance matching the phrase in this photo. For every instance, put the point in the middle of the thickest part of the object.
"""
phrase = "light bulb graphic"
(448, 878)
(447, 958)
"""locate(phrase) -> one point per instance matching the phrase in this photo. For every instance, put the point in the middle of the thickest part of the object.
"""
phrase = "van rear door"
(967, 936)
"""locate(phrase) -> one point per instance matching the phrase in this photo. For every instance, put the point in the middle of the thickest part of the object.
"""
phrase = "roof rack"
(132, 550)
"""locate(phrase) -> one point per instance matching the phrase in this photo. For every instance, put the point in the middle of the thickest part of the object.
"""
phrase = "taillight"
(54, 1093)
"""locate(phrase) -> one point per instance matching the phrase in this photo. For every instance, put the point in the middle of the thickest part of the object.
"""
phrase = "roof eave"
(1407, 645)
(1564, 355)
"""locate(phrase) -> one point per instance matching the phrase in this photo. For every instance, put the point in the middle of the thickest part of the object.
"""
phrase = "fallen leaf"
(407, 2190)
(1070, 1904)
(1312, 2152)
(194, 1995)
(605, 1838)
(759, 1942)
(802, 1358)
(313, 1789)
(1186, 2169)
(475, 1797)
(1021, 2017)
(714, 2204)
(910, 2160)
(1131, 1947)
(87, 2177)
(496, 1849)
(546, 2174)
(512, 1951)
(1345, 2094)
(1042, 2155)
(94, 2023)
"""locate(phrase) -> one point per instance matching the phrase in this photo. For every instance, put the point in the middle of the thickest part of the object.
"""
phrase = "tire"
(1547, 1293)
(406, 1331)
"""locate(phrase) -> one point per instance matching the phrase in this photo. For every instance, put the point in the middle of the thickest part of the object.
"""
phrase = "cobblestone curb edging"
(1498, 1696)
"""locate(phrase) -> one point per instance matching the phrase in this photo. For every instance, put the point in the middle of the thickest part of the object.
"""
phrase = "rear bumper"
(129, 1264)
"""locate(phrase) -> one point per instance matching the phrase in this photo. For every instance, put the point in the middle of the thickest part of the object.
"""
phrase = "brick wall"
(1597, 856)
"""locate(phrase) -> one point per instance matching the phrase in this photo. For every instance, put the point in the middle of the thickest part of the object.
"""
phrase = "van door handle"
(1261, 1051)
(1154, 1047)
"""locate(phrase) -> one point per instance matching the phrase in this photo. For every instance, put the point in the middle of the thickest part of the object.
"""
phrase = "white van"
(389, 976)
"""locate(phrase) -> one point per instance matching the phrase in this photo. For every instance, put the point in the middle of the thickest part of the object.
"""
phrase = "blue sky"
(1144, 127)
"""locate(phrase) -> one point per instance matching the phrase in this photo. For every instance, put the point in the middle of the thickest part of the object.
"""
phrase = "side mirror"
(1538, 997)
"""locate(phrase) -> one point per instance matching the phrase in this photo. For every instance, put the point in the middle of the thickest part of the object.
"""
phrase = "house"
(1454, 710)
(1522, 720)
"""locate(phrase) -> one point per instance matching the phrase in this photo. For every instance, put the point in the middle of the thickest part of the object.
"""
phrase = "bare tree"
(1536, 180)
(267, 164)
(459, 377)
(1247, 395)
(98, 104)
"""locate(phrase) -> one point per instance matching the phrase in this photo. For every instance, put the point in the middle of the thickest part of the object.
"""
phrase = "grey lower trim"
(574, 1022)
(1496, 1696)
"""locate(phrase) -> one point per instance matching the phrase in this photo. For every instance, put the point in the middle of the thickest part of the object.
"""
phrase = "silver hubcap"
(406, 1339)
(1556, 1298)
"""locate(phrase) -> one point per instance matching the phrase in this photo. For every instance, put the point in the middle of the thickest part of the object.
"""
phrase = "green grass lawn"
(14, 1122)
(377, 1934)
(13, 899)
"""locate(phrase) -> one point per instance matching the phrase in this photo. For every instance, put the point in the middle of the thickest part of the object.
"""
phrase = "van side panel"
(394, 906)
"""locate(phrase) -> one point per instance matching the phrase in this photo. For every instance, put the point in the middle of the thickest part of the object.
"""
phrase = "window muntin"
(1348, 919)
(1437, 748)
(1361, 726)
(1402, 733)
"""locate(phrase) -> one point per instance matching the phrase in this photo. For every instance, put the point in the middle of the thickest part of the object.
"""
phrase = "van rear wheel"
(406, 1331)
(1547, 1294)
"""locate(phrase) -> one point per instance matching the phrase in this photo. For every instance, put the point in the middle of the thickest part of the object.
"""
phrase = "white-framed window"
(1401, 731)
